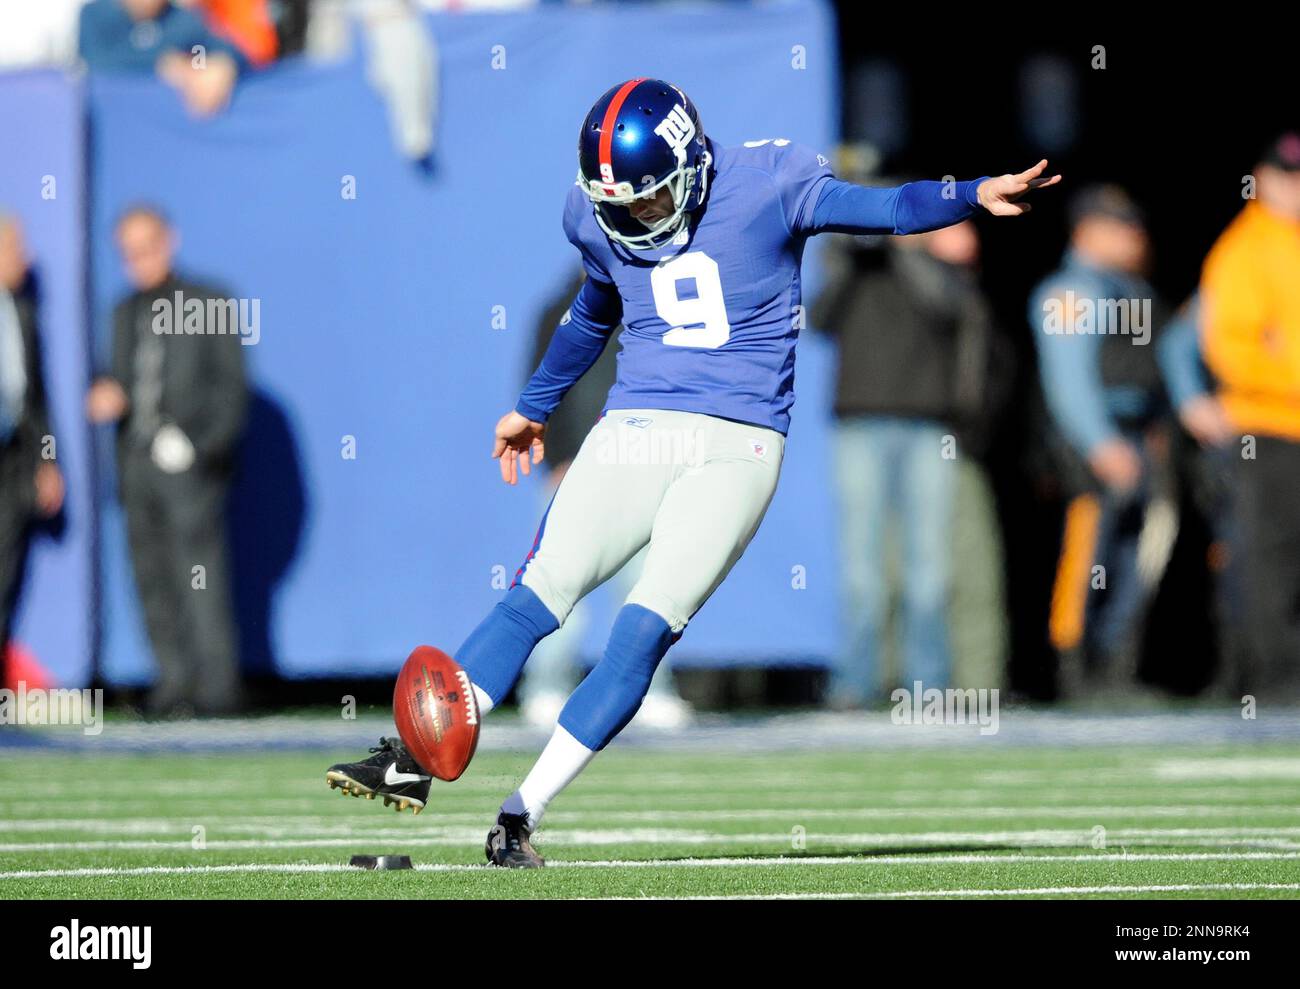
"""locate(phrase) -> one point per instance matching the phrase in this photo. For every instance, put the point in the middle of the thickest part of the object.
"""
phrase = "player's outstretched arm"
(917, 207)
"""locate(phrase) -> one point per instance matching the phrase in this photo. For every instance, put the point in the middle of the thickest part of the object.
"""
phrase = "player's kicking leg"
(389, 773)
(705, 518)
(600, 518)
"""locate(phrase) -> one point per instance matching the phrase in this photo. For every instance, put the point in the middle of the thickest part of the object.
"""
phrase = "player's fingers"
(498, 447)
(504, 464)
(539, 451)
(524, 462)
(1031, 173)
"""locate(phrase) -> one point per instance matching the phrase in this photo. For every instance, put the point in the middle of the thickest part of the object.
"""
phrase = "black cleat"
(390, 772)
(508, 845)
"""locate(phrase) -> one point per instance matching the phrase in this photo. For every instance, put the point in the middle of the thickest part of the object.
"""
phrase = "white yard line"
(1085, 890)
(271, 824)
(1277, 837)
(170, 870)
(126, 787)
(729, 863)
(1229, 767)
(917, 894)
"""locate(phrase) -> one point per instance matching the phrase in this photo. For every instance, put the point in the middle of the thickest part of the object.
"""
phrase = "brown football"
(436, 714)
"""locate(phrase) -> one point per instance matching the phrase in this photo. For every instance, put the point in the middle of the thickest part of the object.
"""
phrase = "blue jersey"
(712, 319)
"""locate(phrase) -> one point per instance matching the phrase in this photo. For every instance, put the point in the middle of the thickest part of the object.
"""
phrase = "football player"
(696, 249)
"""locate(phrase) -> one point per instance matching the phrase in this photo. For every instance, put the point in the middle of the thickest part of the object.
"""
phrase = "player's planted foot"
(508, 845)
(390, 773)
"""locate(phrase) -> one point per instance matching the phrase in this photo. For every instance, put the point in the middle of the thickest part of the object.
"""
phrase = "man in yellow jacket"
(1251, 341)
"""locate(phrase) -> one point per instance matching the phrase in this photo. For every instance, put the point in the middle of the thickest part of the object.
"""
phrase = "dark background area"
(1178, 116)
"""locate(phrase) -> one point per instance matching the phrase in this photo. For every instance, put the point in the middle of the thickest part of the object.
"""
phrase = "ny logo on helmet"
(677, 129)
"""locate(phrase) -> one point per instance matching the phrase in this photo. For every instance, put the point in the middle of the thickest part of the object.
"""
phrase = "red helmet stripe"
(611, 115)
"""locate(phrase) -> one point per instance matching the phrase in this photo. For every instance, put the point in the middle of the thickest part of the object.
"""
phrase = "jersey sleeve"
(916, 207)
(576, 207)
(577, 344)
(800, 174)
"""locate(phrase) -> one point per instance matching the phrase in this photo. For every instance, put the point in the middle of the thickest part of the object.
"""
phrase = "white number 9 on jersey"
(698, 322)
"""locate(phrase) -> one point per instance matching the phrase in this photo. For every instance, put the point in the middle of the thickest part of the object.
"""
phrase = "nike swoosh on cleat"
(393, 778)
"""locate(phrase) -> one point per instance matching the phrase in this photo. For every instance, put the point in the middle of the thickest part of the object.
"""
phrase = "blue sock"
(495, 652)
(612, 692)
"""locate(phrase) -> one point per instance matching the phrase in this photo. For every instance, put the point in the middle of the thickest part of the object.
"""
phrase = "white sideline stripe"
(1071, 838)
(171, 870)
(1281, 837)
(592, 796)
(120, 789)
(1089, 890)
(881, 791)
(1229, 767)
(692, 863)
(958, 893)
(794, 814)
(126, 788)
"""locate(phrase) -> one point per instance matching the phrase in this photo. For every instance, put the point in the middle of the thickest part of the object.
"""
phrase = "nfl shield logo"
(760, 449)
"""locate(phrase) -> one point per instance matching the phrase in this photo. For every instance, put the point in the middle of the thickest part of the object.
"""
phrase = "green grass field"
(989, 822)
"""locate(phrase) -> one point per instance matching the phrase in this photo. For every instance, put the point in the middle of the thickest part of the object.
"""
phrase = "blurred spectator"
(39, 34)
(1250, 289)
(914, 338)
(31, 485)
(552, 671)
(158, 36)
(402, 63)
(1205, 469)
(1187, 380)
(291, 20)
(1093, 320)
(179, 400)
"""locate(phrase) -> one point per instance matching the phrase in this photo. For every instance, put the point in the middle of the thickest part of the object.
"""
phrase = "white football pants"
(693, 486)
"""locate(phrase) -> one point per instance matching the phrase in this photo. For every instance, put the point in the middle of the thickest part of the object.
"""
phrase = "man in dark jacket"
(915, 338)
(1093, 320)
(177, 392)
(31, 485)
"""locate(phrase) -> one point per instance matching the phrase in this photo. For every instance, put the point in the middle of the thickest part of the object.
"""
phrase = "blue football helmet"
(641, 136)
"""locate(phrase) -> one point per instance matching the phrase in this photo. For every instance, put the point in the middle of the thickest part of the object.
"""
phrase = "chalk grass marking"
(321, 826)
(590, 801)
(684, 863)
(1234, 768)
(917, 894)
(1085, 890)
(587, 801)
(1263, 771)
(1278, 837)
(122, 789)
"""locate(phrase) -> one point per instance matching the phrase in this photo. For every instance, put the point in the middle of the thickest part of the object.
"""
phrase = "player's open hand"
(1000, 194)
(517, 438)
